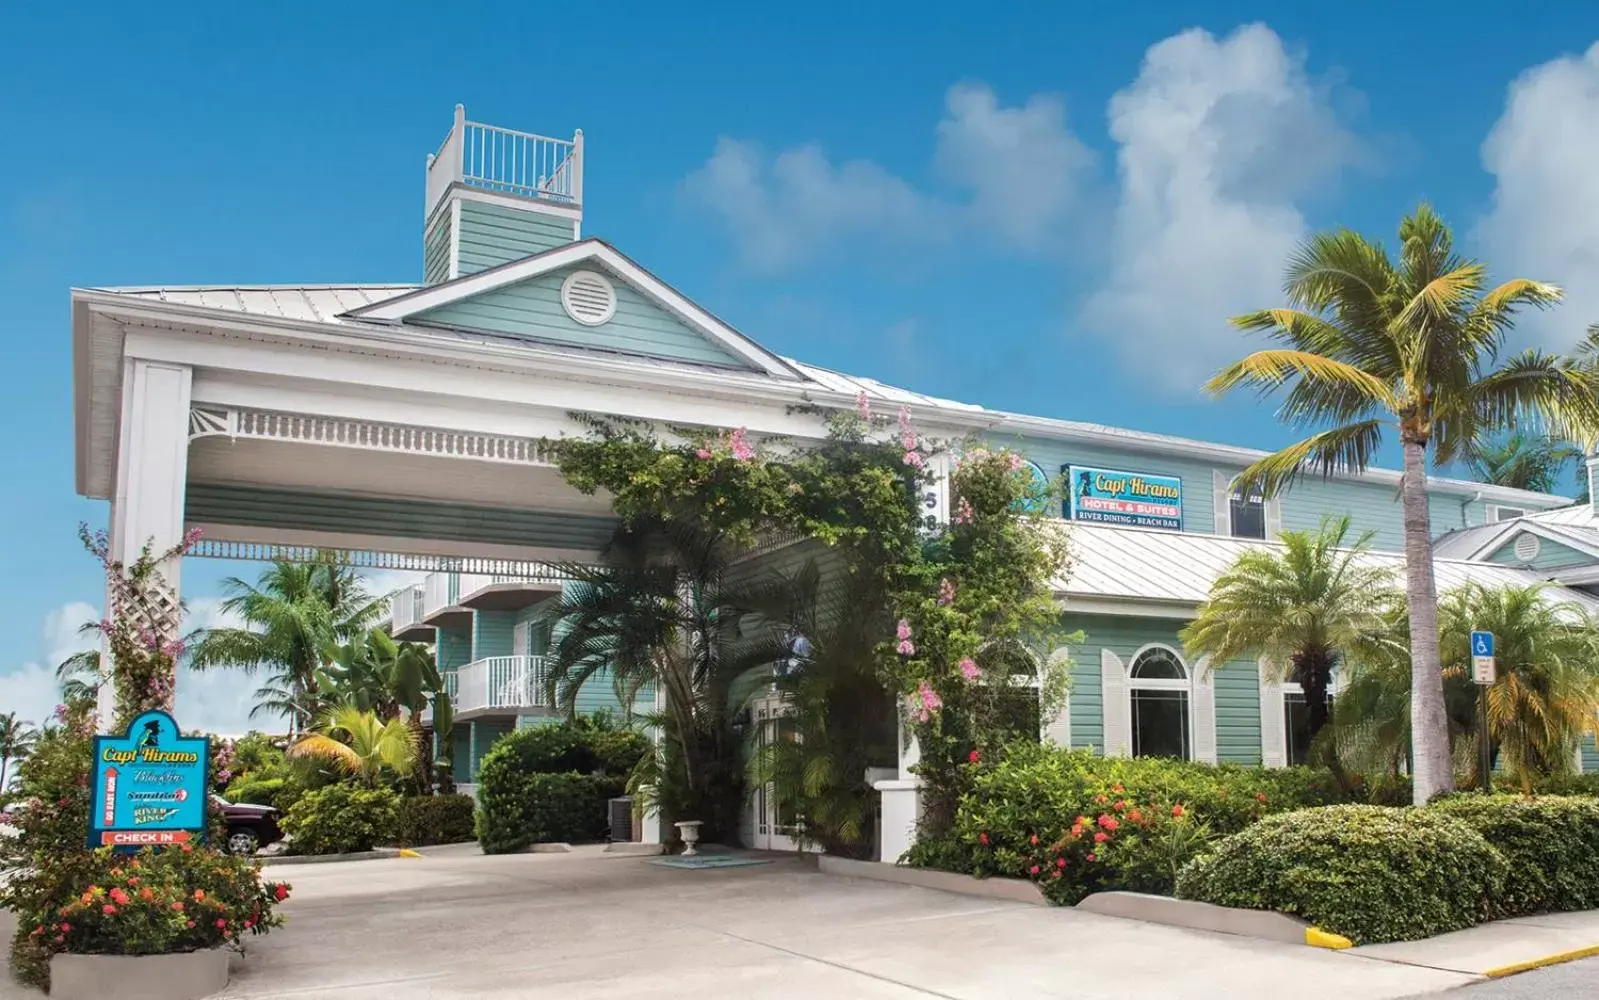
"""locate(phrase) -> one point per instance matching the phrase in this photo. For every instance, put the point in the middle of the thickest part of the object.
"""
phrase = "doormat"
(710, 861)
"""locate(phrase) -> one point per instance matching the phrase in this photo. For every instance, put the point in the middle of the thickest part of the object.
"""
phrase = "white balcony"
(486, 592)
(441, 605)
(500, 685)
(405, 616)
(504, 161)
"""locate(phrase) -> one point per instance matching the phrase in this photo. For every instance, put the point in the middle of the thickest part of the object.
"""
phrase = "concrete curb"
(1267, 924)
(1012, 889)
(179, 976)
(1559, 957)
(628, 849)
(319, 859)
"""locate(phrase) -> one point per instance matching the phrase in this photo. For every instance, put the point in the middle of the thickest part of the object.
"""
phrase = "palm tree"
(656, 618)
(1545, 695)
(1522, 461)
(1303, 608)
(1372, 343)
(16, 742)
(291, 614)
(375, 673)
(79, 675)
(361, 744)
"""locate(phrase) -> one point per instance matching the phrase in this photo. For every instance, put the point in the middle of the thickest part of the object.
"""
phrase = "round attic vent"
(1527, 546)
(588, 297)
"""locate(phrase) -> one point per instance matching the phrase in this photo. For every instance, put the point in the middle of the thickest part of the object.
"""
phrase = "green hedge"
(518, 809)
(435, 819)
(1370, 873)
(256, 791)
(1551, 843)
(341, 819)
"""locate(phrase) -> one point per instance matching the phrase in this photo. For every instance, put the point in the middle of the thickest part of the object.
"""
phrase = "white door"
(522, 639)
(771, 825)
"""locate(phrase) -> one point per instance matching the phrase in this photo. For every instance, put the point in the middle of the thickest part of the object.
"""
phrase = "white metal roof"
(1142, 564)
(327, 303)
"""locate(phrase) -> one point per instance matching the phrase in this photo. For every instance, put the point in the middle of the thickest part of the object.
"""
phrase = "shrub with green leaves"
(1551, 843)
(1370, 873)
(256, 791)
(518, 809)
(1136, 820)
(435, 819)
(342, 819)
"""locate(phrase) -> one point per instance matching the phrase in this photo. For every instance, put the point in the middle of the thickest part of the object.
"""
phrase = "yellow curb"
(406, 852)
(1318, 938)
(1538, 963)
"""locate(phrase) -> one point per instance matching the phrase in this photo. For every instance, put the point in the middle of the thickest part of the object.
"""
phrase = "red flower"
(1121, 804)
(1093, 857)
(981, 836)
(1100, 838)
(1101, 799)
(66, 928)
(281, 890)
(118, 897)
(199, 895)
(1261, 796)
(1117, 788)
(1176, 811)
(145, 894)
(1108, 822)
(133, 880)
(108, 909)
(974, 757)
(60, 938)
(221, 923)
(248, 925)
(188, 923)
(1033, 870)
(1136, 816)
(1060, 862)
(1033, 840)
(1077, 829)
(178, 906)
(187, 848)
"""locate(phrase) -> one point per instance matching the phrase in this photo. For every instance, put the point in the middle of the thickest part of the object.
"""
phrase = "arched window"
(1159, 687)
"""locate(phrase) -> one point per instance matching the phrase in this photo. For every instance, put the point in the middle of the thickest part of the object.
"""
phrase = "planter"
(689, 830)
(183, 976)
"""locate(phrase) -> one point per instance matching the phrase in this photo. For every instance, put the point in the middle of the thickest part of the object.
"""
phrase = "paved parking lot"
(456, 924)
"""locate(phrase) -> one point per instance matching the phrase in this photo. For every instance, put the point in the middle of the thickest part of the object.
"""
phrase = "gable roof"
(1574, 526)
(591, 251)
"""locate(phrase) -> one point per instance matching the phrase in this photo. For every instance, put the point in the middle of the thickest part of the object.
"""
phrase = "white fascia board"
(1126, 607)
(403, 307)
(465, 192)
(245, 533)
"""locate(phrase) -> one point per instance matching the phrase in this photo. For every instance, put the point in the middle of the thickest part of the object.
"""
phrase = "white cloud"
(1544, 221)
(1024, 167)
(784, 210)
(30, 691)
(1218, 138)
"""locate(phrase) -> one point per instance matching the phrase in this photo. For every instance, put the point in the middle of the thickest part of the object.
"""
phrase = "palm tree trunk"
(1432, 770)
(5, 765)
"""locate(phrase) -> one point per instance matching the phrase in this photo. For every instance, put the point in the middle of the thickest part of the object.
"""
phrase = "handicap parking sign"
(1482, 644)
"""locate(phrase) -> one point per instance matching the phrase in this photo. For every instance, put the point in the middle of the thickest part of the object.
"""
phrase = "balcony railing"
(506, 161)
(503, 682)
(405, 609)
(543, 577)
(440, 591)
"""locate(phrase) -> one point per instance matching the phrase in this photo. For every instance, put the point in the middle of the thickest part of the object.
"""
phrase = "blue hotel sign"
(150, 786)
(1107, 496)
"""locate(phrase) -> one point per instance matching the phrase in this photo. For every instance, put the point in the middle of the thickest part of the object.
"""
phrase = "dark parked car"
(250, 827)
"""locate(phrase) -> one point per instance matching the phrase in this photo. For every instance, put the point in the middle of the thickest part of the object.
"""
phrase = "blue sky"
(1041, 207)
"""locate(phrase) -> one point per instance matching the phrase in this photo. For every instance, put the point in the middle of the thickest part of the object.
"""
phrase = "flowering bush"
(1077, 823)
(1552, 845)
(1370, 873)
(70, 899)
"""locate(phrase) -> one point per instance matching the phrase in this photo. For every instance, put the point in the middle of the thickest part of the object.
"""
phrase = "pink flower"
(191, 536)
(1100, 838)
(1033, 870)
(946, 592)
(173, 648)
(903, 629)
(963, 512)
(221, 922)
(983, 837)
(973, 758)
(740, 444)
(907, 435)
(905, 648)
(703, 453)
(1016, 462)
(1060, 862)
(1093, 857)
(969, 669)
(863, 406)
(930, 700)
(108, 909)
(913, 459)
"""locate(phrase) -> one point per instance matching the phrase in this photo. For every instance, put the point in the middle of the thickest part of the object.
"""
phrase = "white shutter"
(1059, 729)
(1204, 701)
(1117, 711)
(1273, 731)
(1220, 494)
(1274, 517)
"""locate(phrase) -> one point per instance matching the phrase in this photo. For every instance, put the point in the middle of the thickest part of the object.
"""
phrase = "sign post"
(150, 786)
(1482, 673)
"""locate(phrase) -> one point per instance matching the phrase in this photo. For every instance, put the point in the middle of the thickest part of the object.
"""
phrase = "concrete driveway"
(455, 924)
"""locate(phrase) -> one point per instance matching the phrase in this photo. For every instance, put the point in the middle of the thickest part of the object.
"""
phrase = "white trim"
(1202, 714)
(1493, 513)
(1115, 705)
(1188, 672)
(1513, 527)
(1188, 685)
(1059, 729)
(466, 192)
(455, 239)
(1128, 607)
(388, 543)
(1273, 722)
(402, 307)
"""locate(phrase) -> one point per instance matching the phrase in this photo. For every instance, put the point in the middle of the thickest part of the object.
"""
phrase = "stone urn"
(689, 830)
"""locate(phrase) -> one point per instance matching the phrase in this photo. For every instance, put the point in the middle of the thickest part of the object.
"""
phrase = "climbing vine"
(972, 601)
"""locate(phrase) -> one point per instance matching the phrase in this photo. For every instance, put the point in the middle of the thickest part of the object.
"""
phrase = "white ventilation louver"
(588, 297)
(1527, 546)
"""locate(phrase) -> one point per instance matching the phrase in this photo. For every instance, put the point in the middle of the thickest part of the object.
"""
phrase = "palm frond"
(1344, 449)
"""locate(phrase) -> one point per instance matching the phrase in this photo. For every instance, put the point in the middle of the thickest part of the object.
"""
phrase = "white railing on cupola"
(506, 161)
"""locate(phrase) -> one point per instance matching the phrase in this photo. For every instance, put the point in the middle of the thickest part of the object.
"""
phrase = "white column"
(152, 471)
(902, 800)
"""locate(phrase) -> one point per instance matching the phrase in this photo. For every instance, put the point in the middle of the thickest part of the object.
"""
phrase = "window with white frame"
(1499, 512)
(1159, 691)
(1246, 510)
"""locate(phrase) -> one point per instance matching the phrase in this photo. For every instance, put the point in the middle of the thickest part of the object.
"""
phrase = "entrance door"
(772, 825)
